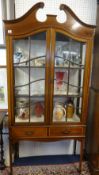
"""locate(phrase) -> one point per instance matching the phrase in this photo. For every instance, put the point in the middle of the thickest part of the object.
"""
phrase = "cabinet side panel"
(89, 130)
(95, 70)
(92, 138)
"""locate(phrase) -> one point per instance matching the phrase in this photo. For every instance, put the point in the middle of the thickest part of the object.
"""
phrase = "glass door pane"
(68, 79)
(29, 78)
(37, 77)
(21, 79)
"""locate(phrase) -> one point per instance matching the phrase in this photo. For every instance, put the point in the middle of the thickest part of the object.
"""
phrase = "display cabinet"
(48, 77)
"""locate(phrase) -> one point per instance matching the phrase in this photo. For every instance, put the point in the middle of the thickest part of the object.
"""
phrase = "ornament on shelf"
(38, 109)
(59, 79)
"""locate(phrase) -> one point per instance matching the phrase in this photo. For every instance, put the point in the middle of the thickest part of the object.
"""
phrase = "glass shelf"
(33, 119)
(61, 95)
(18, 120)
(58, 94)
(37, 119)
(75, 118)
(26, 67)
(71, 67)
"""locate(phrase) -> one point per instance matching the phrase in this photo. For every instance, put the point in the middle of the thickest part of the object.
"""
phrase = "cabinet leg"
(16, 148)
(10, 152)
(81, 155)
(74, 147)
(2, 165)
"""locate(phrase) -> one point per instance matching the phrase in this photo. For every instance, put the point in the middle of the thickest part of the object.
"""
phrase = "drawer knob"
(29, 133)
(66, 132)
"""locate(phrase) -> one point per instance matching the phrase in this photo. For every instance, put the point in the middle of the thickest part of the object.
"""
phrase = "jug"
(59, 112)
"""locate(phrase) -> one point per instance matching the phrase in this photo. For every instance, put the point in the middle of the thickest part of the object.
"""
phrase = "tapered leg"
(16, 150)
(10, 155)
(74, 147)
(2, 165)
(81, 154)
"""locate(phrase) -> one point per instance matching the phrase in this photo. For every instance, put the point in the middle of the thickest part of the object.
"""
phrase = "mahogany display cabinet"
(48, 66)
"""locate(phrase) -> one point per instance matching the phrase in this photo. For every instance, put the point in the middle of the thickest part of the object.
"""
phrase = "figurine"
(38, 109)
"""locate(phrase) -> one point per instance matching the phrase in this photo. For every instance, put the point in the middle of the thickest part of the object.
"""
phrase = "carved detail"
(29, 23)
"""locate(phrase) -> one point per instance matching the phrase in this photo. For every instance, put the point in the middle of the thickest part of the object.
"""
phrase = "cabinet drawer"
(22, 132)
(66, 131)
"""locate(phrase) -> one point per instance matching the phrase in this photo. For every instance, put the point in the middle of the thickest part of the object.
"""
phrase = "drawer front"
(22, 132)
(67, 131)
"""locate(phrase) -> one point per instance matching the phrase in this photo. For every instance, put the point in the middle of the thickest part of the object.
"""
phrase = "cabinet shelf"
(44, 67)
(67, 95)
(36, 119)
(56, 67)
(42, 95)
(32, 96)
(27, 67)
(67, 67)
(33, 119)
(75, 118)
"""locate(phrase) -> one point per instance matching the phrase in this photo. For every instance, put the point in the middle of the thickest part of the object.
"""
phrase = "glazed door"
(48, 78)
(68, 73)
(29, 62)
